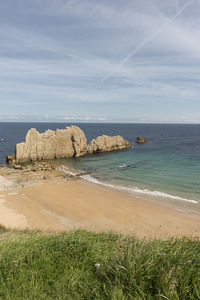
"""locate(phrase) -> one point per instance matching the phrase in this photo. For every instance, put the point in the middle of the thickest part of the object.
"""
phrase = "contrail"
(146, 41)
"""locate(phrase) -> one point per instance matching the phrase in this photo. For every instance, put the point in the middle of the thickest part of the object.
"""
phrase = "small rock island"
(141, 140)
(68, 142)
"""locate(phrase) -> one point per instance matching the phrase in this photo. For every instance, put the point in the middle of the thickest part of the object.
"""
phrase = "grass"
(87, 265)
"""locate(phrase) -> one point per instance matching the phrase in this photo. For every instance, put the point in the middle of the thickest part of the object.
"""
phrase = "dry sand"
(62, 204)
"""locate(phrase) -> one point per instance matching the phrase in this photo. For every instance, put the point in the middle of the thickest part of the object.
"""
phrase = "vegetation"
(87, 265)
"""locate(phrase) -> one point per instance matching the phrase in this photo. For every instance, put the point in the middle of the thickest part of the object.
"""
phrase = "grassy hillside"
(86, 265)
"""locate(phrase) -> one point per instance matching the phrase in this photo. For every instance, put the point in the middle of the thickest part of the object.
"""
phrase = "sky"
(100, 60)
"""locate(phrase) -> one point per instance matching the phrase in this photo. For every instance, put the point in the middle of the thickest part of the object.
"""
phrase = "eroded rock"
(107, 143)
(141, 140)
(68, 142)
(10, 159)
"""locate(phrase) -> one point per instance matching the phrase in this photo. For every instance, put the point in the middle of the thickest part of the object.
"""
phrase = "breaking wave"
(137, 190)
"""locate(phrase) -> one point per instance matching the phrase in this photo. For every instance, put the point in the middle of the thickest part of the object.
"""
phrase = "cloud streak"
(147, 40)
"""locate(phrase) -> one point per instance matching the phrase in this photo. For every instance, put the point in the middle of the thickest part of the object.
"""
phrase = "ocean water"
(166, 168)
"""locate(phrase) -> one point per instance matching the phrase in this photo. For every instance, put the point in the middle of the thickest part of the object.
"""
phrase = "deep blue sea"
(167, 167)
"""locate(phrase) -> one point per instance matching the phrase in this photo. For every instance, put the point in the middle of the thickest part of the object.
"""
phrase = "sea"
(166, 168)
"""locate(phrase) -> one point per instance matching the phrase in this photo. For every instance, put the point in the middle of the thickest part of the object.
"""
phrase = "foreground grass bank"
(86, 265)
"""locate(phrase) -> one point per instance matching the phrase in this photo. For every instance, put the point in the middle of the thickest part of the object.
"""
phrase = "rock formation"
(68, 142)
(10, 159)
(107, 143)
(140, 140)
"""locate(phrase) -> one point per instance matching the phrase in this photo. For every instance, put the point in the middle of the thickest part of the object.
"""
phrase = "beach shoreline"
(55, 202)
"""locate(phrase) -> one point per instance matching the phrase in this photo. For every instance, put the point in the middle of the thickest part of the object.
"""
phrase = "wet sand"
(60, 204)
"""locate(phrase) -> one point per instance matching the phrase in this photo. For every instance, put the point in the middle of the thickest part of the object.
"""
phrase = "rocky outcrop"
(79, 141)
(10, 159)
(107, 143)
(68, 142)
(141, 140)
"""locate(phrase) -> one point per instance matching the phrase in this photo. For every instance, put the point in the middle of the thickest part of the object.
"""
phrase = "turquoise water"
(167, 167)
(148, 173)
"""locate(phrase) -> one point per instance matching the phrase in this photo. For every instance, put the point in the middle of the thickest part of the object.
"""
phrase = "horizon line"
(100, 122)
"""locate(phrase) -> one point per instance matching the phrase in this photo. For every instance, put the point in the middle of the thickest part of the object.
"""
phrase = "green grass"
(34, 265)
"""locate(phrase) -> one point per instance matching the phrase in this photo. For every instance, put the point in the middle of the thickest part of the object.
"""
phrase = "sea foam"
(137, 190)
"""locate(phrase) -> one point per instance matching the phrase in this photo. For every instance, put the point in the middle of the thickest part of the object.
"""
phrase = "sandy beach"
(62, 204)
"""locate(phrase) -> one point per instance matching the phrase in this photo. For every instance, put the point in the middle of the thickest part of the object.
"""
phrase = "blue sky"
(105, 60)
